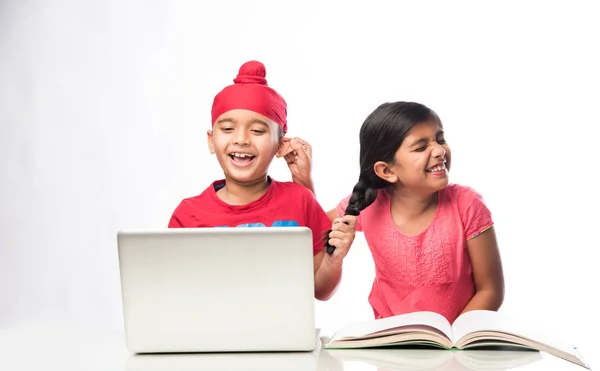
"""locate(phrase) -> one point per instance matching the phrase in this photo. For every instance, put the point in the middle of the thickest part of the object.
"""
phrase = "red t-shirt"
(284, 204)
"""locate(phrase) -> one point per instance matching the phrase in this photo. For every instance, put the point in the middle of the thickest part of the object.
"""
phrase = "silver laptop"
(218, 289)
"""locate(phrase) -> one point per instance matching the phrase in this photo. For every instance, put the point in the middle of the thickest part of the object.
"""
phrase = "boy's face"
(245, 143)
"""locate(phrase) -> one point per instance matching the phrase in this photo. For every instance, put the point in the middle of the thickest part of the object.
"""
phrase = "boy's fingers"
(337, 223)
(339, 235)
(334, 242)
(335, 236)
(349, 220)
(345, 228)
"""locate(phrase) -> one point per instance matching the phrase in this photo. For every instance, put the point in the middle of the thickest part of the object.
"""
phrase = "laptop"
(218, 289)
(264, 361)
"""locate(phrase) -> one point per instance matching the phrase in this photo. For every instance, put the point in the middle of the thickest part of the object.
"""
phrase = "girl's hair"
(381, 135)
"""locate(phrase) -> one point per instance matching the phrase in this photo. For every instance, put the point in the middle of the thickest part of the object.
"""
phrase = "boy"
(249, 121)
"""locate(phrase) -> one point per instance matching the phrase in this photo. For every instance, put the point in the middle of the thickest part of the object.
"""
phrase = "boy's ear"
(209, 138)
(384, 171)
(284, 147)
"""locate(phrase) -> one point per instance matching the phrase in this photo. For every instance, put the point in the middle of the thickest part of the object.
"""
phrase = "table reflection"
(436, 359)
(339, 360)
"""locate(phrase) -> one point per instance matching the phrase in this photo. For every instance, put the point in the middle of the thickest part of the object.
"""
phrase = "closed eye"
(257, 131)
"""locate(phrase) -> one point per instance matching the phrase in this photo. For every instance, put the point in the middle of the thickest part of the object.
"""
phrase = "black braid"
(381, 135)
(363, 195)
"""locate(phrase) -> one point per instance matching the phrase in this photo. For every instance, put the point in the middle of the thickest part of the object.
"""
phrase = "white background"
(104, 108)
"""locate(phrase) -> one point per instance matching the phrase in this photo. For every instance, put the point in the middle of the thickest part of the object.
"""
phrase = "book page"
(486, 321)
(358, 329)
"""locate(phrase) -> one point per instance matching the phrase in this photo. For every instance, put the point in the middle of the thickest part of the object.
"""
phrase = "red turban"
(250, 91)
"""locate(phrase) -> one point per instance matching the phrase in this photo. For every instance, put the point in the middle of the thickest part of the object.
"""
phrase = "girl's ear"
(284, 147)
(209, 138)
(384, 171)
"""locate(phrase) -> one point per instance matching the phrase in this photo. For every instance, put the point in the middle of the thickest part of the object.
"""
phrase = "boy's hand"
(341, 236)
(298, 158)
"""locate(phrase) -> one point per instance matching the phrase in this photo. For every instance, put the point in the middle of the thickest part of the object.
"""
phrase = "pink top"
(428, 271)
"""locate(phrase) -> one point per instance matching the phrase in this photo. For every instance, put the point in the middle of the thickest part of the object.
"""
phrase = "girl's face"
(423, 159)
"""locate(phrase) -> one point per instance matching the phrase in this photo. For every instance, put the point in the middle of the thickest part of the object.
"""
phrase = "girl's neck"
(412, 204)
(242, 193)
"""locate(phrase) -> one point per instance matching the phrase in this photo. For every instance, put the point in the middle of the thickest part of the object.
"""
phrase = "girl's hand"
(298, 157)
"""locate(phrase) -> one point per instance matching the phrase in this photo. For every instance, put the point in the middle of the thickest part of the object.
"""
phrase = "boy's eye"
(227, 129)
(258, 131)
(441, 141)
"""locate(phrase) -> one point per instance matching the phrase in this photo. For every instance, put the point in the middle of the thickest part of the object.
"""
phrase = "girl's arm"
(299, 162)
(487, 272)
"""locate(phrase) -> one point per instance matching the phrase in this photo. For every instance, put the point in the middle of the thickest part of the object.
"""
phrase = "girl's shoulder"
(462, 198)
(460, 193)
(470, 207)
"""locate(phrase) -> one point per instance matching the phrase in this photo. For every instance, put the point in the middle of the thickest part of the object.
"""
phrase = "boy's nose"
(241, 138)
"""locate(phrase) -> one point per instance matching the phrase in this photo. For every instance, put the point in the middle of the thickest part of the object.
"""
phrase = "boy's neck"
(242, 193)
(412, 204)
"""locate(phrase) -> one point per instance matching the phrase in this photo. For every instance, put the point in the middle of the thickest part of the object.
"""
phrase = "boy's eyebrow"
(225, 119)
(259, 121)
(254, 121)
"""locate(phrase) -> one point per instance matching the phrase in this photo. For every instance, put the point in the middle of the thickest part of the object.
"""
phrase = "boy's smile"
(242, 159)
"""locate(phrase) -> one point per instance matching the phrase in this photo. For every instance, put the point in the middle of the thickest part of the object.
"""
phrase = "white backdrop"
(104, 108)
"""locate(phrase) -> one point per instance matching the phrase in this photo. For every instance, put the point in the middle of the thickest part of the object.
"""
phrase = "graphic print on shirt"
(277, 223)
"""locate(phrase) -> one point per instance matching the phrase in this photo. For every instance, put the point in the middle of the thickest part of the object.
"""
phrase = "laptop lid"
(218, 289)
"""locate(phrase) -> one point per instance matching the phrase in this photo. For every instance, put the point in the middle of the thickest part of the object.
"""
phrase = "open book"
(474, 329)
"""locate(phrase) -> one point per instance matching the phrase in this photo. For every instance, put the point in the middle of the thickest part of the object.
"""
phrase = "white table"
(65, 348)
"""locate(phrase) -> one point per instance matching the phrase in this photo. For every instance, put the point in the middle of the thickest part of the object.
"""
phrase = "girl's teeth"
(437, 168)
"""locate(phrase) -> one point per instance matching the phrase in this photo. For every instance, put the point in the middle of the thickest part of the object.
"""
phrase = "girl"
(433, 243)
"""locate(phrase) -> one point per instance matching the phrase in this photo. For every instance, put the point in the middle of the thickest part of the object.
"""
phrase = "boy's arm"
(328, 268)
(176, 217)
(487, 272)
(327, 277)
(174, 222)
